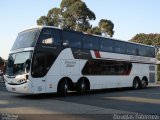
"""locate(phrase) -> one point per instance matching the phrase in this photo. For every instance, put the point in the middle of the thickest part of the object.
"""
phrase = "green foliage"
(95, 30)
(106, 27)
(2, 65)
(53, 18)
(43, 20)
(75, 15)
(149, 39)
(1, 62)
(67, 3)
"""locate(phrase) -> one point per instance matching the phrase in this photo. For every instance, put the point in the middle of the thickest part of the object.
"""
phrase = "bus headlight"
(22, 81)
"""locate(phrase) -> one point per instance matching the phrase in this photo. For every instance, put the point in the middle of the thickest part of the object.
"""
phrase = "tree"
(148, 39)
(53, 18)
(106, 27)
(1, 61)
(95, 30)
(43, 20)
(2, 64)
(75, 15)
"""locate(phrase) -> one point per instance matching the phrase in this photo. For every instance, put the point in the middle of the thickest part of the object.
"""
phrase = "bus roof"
(40, 27)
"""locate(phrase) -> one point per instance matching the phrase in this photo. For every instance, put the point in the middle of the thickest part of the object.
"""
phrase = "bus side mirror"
(26, 65)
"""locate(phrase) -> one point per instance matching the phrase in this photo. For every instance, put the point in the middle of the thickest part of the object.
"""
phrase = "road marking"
(136, 99)
(3, 102)
(145, 93)
(27, 110)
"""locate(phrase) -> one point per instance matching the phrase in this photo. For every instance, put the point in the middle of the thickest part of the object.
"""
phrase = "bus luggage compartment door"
(39, 85)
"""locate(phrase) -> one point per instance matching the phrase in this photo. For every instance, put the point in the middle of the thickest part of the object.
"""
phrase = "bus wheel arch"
(82, 85)
(64, 85)
(136, 83)
(144, 82)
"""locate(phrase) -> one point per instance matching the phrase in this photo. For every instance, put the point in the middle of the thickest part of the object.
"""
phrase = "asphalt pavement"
(100, 104)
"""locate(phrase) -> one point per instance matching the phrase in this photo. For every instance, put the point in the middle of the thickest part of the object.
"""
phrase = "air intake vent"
(152, 78)
(151, 68)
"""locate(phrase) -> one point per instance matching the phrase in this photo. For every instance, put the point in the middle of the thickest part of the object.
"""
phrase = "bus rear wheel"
(81, 87)
(143, 83)
(63, 88)
(136, 83)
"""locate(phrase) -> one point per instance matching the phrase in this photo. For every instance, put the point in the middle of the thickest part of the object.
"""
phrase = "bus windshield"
(26, 39)
(18, 63)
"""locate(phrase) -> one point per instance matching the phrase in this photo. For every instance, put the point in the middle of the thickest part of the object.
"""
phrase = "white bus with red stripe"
(49, 60)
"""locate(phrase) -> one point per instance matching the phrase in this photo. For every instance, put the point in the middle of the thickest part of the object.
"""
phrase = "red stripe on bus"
(97, 54)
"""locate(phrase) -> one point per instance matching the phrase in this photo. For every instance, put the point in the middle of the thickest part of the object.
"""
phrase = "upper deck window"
(50, 36)
(120, 47)
(72, 39)
(106, 45)
(151, 52)
(146, 51)
(132, 49)
(90, 42)
(26, 39)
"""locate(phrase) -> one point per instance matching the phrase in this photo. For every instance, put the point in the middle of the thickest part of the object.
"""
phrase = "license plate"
(13, 89)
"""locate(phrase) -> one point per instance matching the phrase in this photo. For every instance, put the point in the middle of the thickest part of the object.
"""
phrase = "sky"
(130, 17)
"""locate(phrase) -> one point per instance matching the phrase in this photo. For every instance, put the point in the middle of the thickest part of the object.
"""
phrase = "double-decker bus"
(47, 60)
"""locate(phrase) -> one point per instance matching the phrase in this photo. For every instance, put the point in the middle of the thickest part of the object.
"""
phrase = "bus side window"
(50, 36)
(120, 47)
(87, 42)
(152, 52)
(72, 39)
(132, 49)
(90, 42)
(106, 45)
(142, 51)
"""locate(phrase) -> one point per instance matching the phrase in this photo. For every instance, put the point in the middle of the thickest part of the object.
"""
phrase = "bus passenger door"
(39, 72)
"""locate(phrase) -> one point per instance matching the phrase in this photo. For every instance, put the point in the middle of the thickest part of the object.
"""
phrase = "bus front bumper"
(22, 88)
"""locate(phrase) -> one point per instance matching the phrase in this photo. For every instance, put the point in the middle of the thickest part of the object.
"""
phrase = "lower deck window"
(102, 67)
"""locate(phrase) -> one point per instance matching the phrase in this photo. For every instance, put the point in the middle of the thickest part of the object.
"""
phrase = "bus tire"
(144, 83)
(136, 83)
(81, 87)
(63, 88)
